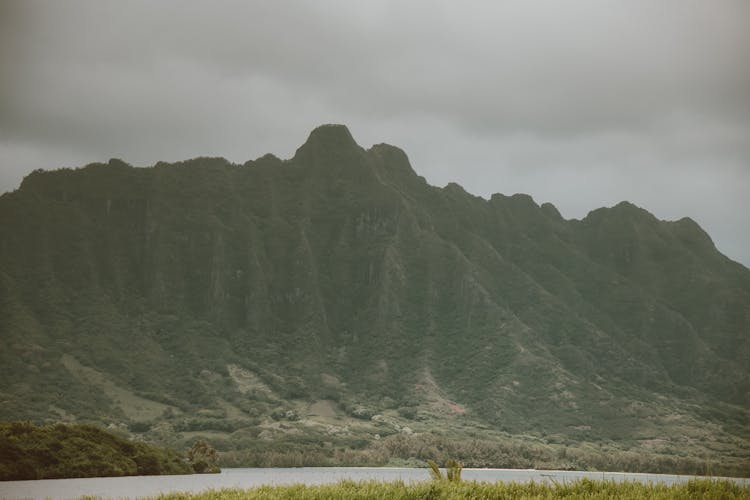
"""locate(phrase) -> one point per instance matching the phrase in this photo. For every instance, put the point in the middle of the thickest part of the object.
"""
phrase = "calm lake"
(139, 486)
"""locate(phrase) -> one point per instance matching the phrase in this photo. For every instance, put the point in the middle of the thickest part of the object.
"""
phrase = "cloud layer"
(581, 103)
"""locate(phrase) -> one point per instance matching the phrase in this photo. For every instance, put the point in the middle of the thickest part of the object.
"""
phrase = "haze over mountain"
(338, 288)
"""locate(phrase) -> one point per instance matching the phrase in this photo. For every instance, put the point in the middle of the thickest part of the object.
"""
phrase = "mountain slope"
(209, 295)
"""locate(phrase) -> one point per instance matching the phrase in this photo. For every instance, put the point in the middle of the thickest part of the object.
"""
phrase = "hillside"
(337, 298)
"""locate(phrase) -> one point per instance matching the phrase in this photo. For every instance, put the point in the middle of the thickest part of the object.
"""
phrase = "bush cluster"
(28, 451)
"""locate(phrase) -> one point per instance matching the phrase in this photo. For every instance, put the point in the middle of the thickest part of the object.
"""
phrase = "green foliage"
(28, 451)
(452, 471)
(435, 472)
(203, 458)
(582, 489)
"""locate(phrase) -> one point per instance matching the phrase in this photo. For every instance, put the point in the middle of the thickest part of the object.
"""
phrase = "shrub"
(203, 458)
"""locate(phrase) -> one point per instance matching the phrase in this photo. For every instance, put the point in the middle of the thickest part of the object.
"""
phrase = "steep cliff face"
(341, 275)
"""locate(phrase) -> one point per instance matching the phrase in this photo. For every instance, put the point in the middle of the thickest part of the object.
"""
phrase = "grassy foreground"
(585, 488)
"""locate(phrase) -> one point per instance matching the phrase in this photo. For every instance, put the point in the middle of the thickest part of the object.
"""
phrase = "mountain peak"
(327, 139)
(624, 210)
(331, 134)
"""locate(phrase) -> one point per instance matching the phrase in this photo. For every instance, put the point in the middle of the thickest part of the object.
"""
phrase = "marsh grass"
(452, 471)
(585, 488)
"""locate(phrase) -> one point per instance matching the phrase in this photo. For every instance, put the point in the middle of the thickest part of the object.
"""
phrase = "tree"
(203, 458)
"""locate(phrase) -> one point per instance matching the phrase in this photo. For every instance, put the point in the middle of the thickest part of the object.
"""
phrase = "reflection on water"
(139, 486)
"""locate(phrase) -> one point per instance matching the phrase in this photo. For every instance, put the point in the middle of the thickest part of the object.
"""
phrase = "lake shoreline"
(235, 478)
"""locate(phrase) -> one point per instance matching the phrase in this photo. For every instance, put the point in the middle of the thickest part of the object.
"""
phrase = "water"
(140, 486)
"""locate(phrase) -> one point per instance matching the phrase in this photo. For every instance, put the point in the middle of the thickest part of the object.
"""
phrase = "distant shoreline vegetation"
(28, 451)
(415, 450)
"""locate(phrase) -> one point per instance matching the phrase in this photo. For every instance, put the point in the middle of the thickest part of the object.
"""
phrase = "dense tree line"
(417, 449)
(28, 451)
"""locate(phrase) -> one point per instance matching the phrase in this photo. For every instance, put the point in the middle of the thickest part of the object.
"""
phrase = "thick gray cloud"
(581, 103)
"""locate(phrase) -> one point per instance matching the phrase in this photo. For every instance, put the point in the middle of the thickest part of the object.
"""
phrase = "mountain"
(338, 298)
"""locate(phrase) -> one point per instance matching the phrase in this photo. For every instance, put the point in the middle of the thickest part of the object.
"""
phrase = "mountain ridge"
(341, 275)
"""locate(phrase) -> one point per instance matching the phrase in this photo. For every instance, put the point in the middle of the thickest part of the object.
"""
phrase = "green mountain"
(336, 298)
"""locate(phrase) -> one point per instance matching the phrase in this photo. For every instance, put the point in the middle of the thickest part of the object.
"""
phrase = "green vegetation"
(203, 458)
(28, 451)
(585, 488)
(452, 473)
(492, 451)
(334, 308)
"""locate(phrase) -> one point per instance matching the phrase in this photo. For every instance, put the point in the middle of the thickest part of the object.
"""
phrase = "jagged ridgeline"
(341, 279)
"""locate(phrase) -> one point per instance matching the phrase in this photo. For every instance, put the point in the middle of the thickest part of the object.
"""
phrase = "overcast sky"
(580, 103)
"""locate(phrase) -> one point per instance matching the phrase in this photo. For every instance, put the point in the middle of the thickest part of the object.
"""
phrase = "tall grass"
(452, 472)
(583, 489)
